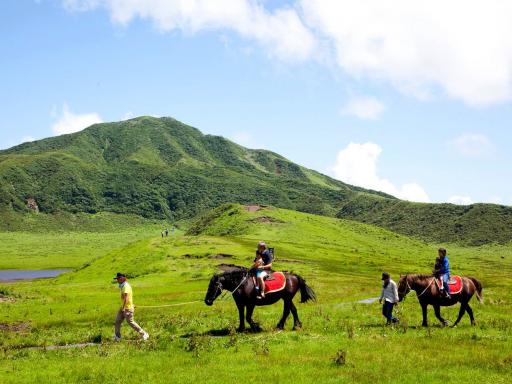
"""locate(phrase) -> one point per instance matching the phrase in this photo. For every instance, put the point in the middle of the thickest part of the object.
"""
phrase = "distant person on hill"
(127, 309)
(442, 270)
(390, 296)
(166, 232)
(262, 264)
(162, 233)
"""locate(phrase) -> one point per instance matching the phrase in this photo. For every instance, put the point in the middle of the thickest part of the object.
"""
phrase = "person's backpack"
(271, 251)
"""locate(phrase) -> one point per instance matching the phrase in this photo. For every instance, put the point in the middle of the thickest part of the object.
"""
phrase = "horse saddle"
(455, 284)
(276, 282)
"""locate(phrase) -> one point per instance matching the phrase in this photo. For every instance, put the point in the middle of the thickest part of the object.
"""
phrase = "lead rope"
(222, 297)
(167, 305)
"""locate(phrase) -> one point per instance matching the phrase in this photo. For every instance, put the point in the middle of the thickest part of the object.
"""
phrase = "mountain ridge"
(162, 168)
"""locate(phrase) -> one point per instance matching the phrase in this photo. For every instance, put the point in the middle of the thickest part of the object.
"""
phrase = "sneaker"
(145, 336)
(115, 338)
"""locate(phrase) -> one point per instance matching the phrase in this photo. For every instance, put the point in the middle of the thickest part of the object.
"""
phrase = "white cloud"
(69, 122)
(367, 108)
(461, 200)
(463, 47)
(357, 165)
(281, 31)
(472, 145)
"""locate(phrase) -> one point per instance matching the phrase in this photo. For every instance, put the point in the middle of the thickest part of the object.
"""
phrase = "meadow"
(342, 341)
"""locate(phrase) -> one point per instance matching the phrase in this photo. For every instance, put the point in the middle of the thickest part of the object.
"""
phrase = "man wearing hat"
(390, 296)
(127, 309)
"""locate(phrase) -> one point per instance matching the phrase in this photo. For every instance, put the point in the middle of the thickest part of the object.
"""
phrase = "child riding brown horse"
(237, 282)
(428, 293)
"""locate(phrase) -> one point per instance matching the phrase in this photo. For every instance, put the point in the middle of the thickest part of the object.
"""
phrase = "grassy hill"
(340, 259)
(161, 168)
(157, 168)
(472, 224)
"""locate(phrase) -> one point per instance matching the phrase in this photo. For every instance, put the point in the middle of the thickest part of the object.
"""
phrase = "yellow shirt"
(127, 288)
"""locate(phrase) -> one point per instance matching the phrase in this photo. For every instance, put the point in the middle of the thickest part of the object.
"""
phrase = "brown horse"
(428, 293)
(239, 282)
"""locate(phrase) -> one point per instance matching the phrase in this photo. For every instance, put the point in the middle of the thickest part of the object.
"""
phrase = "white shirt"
(390, 293)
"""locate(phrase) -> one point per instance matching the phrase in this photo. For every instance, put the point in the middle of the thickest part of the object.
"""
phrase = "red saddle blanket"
(275, 283)
(455, 284)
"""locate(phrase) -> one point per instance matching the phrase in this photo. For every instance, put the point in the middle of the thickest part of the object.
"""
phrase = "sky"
(409, 97)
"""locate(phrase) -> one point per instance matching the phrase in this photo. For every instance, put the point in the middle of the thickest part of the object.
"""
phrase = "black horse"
(241, 285)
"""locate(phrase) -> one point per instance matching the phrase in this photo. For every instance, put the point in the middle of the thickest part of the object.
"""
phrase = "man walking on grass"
(127, 309)
(390, 296)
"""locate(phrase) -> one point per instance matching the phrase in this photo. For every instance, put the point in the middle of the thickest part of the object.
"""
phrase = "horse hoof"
(424, 325)
(297, 327)
(280, 327)
(240, 330)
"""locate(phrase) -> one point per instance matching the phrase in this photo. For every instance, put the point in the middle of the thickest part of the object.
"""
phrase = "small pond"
(27, 274)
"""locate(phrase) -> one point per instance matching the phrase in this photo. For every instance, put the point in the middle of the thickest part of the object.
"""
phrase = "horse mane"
(419, 276)
(232, 272)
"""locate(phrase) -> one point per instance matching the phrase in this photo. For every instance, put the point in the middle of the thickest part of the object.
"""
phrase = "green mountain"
(158, 168)
(472, 224)
(161, 168)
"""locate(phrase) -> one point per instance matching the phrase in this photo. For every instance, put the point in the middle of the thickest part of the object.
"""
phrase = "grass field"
(341, 261)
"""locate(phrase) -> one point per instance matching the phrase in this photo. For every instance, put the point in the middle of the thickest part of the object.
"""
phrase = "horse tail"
(306, 293)
(479, 288)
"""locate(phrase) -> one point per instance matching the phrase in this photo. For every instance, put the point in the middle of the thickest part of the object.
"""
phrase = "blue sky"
(416, 102)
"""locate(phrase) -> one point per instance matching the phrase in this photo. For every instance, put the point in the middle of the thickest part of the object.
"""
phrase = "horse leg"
(248, 317)
(286, 312)
(296, 322)
(241, 310)
(437, 310)
(424, 310)
(462, 310)
(470, 313)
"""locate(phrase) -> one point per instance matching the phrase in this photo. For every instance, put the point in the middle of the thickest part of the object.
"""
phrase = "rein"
(428, 286)
(223, 296)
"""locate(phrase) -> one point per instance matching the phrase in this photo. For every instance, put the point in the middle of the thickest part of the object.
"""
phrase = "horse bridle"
(410, 288)
(219, 286)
